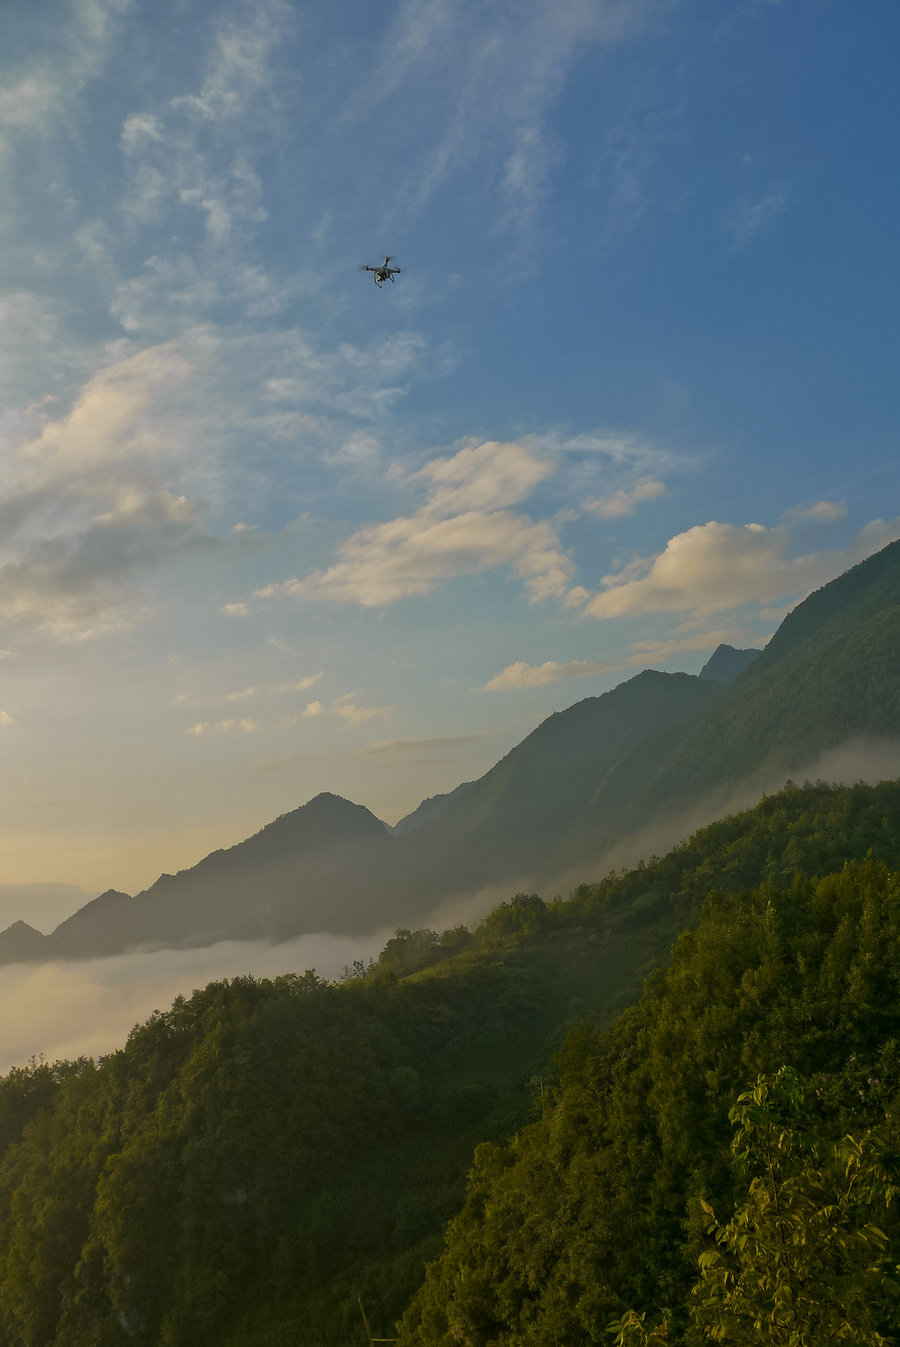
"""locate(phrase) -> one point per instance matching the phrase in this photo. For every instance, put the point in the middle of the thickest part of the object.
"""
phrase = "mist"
(88, 1007)
(861, 759)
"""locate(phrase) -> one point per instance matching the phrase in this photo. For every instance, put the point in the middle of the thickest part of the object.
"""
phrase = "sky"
(268, 530)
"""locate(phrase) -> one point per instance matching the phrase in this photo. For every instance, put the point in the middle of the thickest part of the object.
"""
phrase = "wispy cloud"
(523, 675)
(461, 529)
(642, 654)
(344, 708)
(493, 77)
(751, 217)
(436, 748)
(300, 685)
(250, 693)
(244, 726)
(624, 502)
(818, 512)
(49, 82)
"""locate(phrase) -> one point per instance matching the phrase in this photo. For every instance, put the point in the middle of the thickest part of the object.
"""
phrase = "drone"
(383, 273)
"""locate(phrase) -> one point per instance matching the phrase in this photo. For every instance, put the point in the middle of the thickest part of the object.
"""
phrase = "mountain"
(597, 784)
(427, 810)
(262, 1153)
(323, 866)
(503, 826)
(331, 865)
(725, 663)
(21, 943)
(829, 674)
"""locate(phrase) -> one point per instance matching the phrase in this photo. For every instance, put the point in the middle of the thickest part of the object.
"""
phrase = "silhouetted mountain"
(725, 663)
(428, 810)
(93, 929)
(21, 943)
(502, 826)
(664, 752)
(315, 868)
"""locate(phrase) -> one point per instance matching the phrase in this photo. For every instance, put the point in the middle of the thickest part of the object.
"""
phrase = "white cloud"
(88, 501)
(618, 503)
(713, 567)
(6, 720)
(483, 477)
(107, 422)
(461, 529)
(245, 726)
(344, 708)
(301, 685)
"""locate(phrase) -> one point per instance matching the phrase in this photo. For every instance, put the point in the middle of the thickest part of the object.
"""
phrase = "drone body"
(383, 273)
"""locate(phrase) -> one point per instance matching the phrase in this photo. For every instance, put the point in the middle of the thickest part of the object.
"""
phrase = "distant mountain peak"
(20, 943)
(325, 810)
(725, 663)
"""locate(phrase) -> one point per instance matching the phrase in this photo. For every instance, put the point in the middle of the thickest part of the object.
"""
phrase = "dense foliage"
(264, 1152)
(601, 1204)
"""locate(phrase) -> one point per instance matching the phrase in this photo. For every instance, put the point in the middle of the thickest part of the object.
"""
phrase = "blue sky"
(267, 530)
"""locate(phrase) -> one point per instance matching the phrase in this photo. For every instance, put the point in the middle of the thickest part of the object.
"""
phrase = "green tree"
(802, 1261)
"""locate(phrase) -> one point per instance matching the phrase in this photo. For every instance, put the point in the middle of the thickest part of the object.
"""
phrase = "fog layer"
(88, 1007)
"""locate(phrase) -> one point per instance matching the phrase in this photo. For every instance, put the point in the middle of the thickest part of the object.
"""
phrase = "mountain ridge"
(647, 754)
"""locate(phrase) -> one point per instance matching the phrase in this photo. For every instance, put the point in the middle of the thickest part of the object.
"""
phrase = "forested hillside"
(264, 1152)
(608, 1201)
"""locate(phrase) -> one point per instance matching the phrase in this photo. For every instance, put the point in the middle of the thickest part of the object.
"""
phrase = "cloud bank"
(66, 1010)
